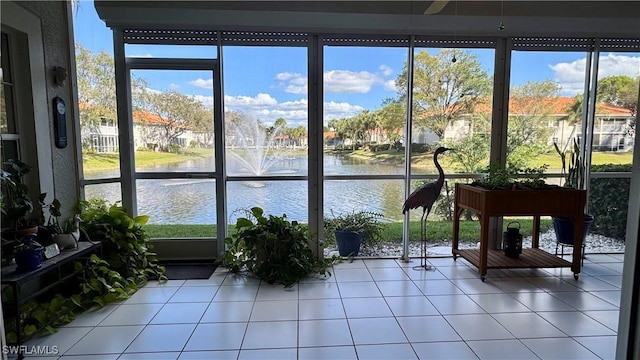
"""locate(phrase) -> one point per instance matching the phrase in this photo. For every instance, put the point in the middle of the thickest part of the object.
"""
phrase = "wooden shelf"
(530, 258)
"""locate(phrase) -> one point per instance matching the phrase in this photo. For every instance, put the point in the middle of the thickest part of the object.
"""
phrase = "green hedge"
(609, 201)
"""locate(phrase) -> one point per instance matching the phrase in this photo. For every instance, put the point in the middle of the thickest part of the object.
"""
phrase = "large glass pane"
(178, 207)
(545, 107)
(274, 197)
(613, 144)
(111, 192)
(173, 121)
(452, 101)
(364, 113)
(265, 110)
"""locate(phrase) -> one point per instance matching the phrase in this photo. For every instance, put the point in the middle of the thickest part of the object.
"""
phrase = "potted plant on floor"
(573, 171)
(17, 205)
(351, 230)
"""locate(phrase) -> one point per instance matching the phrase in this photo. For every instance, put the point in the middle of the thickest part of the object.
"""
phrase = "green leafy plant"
(17, 206)
(125, 244)
(274, 249)
(364, 222)
(609, 201)
(498, 177)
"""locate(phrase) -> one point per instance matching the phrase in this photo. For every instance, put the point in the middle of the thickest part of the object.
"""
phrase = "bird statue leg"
(423, 242)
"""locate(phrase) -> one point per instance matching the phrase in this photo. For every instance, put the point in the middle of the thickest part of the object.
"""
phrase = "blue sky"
(270, 82)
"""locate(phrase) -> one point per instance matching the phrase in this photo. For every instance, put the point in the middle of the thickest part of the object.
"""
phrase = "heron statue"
(424, 197)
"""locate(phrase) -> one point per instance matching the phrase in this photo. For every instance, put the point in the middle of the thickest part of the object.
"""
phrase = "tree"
(391, 117)
(174, 113)
(443, 89)
(621, 91)
(530, 110)
(472, 151)
(574, 117)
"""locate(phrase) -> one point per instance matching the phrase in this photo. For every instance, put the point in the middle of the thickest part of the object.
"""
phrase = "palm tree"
(573, 118)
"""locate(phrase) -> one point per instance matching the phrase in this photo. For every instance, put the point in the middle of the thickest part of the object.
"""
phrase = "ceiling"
(521, 18)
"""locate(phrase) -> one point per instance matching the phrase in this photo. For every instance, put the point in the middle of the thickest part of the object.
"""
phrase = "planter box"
(555, 201)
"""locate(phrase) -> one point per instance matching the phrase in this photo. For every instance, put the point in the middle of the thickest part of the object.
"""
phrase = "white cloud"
(173, 86)
(293, 83)
(202, 83)
(571, 75)
(390, 85)
(344, 81)
(386, 70)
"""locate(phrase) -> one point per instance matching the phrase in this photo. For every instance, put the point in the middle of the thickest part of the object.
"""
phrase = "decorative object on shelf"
(512, 241)
(425, 196)
(51, 250)
(351, 230)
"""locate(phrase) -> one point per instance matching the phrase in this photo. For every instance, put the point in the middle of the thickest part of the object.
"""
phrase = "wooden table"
(554, 201)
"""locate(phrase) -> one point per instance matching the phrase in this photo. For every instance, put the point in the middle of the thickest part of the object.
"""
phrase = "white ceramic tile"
(381, 263)
(92, 317)
(240, 279)
(150, 356)
(327, 352)
(347, 264)
(398, 288)
(318, 290)
(386, 351)
(274, 310)
(324, 333)
(273, 334)
(214, 280)
(165, 337)
(376, 331)
(216, 336)
(608, 318)
(603, 346)
(498, 303)
(597, 269)
(321, 309)
(105, 340)
(227, 311)
(478, 327)
(444, 350)
(194, 294)
(527, 325)
(437, 287)
(553, 284)
(574, 323)
(615, 280)
(167, 283)
(84, 357)
(347, 275)
(419, 273)
(236, 293)
(277, 292)
(358, 289)
(157, 295)
(134, 314)
(590, 283)
(366, 307)
(558, 348)
(455, 273)
(514, 285)
(612, 297)
(180, 313)
(427, 329)
(581, 300)
(388, 274)
(455, 304)
(265, 354)
(541, 302)
(411, 306)
(501, 349)
(476, 286)
(61, 341)
(209, 355)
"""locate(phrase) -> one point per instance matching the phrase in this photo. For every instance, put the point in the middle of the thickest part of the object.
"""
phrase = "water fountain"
(253, 145)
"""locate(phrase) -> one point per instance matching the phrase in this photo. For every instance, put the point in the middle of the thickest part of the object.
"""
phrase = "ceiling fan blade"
(435, 7)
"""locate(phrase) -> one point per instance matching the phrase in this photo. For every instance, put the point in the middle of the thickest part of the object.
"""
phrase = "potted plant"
(351, 230)
(66, 233)
(273, 248)
(573, 174)
(17, 206)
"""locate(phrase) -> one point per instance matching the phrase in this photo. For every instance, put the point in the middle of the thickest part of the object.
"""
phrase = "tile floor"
(368, 309)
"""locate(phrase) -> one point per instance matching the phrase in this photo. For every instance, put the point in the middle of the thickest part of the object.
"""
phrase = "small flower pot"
(28, 260)
(348, 242)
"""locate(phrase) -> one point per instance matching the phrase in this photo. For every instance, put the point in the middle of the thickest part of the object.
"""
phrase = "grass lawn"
(436, 230)
(104, 162)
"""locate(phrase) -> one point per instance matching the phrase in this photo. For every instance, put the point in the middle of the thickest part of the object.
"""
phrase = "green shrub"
(609, 201)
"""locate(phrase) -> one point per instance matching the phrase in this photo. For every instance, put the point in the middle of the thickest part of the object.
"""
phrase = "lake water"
(192, 201)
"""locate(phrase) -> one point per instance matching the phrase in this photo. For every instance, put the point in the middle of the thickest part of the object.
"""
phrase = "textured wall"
(56, 42)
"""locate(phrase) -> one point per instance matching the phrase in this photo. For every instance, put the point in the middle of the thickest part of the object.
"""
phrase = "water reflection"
(192, 201)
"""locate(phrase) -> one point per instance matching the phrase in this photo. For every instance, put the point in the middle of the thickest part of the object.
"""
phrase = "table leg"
(457, 211)
(578, 229)
(535, 232)
(484, 245)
